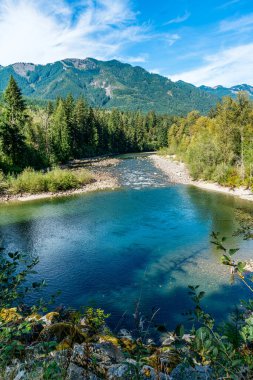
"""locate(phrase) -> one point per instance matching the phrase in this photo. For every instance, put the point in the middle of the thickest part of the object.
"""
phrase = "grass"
(33, 182)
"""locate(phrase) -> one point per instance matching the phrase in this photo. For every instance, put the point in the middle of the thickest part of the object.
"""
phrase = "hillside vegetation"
(218, 147)
(108, 85)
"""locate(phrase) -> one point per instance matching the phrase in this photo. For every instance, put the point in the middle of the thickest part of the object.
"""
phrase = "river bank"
(101, 180)
(177, 172)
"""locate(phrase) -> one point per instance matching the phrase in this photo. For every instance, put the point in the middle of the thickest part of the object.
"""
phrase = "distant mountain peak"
(80, 64)
(217, 87)
(221, 91)
(23, 69)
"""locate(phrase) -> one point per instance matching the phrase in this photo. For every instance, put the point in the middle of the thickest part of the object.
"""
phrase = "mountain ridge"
(109, 84)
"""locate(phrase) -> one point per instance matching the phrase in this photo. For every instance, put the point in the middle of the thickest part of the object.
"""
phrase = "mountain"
(221, 91)
(108, 84)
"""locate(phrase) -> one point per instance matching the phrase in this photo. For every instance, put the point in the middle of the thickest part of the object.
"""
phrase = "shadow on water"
(173, 306)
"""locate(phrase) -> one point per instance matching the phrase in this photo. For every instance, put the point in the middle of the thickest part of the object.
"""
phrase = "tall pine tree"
(59, 135)
(12, 126)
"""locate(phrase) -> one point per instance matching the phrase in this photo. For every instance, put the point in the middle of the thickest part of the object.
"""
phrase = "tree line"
(217, 147)
(68, 128)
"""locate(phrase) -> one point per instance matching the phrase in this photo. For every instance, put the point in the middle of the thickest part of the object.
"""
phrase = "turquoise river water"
(147, 241)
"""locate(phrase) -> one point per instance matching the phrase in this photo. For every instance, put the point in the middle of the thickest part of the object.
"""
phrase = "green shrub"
(164, 151)
(221, 173)
(3, 182)
(83, 176)
(30, 181)
(58, 180)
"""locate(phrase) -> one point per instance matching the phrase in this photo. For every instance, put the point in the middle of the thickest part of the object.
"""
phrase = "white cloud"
(134, 59)
(179, 19)
(172, 38)
(229, 67)
(228, 4)
(43, 31)
(237, 25)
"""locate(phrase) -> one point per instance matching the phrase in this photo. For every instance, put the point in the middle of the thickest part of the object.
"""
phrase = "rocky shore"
(177, 173)
(83, 353)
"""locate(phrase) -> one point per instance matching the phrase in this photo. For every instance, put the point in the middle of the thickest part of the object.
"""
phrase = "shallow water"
(147, 241)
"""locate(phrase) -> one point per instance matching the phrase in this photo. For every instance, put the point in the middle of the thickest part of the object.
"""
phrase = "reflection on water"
(105, 248)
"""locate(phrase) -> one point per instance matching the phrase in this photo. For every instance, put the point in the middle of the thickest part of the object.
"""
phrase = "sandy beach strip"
(177, 172)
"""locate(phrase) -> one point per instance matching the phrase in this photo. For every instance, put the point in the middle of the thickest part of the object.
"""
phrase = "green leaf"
(241, 266)
(232, 251)
(180, 330)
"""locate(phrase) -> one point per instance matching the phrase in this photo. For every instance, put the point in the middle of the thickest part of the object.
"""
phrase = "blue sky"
(202, 42)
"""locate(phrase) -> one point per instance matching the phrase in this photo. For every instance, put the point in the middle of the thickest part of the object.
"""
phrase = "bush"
(83, 176)
(221, 173)
(3, 183)
(30, 181)
(164, 151)
(58, 180)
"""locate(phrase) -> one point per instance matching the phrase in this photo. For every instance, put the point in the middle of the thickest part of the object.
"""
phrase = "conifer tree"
(15, 105)
(12, 125)
(81, 134)
(69, 105)
(60, 139)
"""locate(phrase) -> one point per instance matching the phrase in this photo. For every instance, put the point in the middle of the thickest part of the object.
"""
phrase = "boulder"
(184, 372)
(107, 353)
(75, 372)
(123, 333)
(120, 372)
(78, 355)
(78, 373)
(62, 357)
(50, 318)
(33, 317)
(148, 373)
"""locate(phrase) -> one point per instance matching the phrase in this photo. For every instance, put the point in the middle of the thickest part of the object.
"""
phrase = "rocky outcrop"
(81, 350)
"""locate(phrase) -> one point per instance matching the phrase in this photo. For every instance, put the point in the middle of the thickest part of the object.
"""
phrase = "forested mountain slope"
(109, 84)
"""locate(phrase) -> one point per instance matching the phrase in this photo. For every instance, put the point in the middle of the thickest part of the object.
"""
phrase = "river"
(145, 242)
